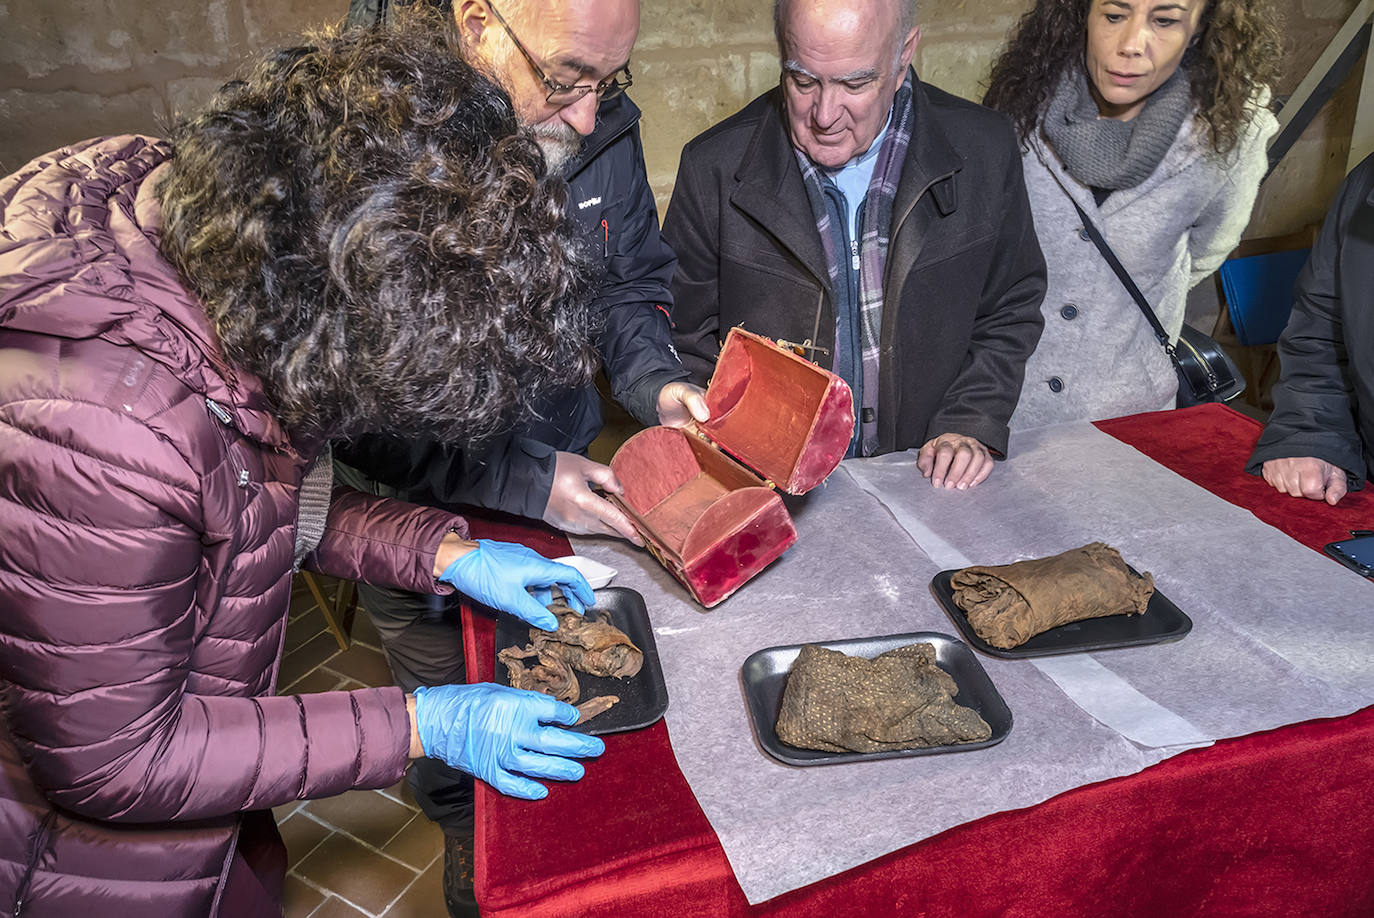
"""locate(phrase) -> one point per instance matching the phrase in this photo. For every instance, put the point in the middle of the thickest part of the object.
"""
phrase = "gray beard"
(559, 144)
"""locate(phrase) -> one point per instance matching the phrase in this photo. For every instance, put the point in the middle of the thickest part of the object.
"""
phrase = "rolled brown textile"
(897, 700)
(1008, 604)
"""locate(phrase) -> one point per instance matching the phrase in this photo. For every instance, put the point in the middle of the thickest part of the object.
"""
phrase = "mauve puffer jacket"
(145, 567)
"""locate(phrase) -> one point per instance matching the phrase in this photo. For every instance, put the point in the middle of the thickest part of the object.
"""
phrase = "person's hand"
(1315, 479)
(680, 403)
(498, 573)
(574, 507)
(954, 461)
(498, 734)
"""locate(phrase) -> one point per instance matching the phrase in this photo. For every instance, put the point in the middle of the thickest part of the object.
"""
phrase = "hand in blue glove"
(493, 731)
(498, 573)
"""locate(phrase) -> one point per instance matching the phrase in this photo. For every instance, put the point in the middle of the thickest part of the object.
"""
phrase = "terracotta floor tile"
(401, 791)
(309, 655)
(299, 898)
(335, 907)
(366, 815)
(364, 664)
(317, 680)
(301, 629)
(301, 834)
(418, 844)
(365, 878)
(425, 898)
(333, 875)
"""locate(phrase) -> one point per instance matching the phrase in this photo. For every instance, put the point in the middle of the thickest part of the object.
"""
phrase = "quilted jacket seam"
(151, 527)
(305, 749)
(34, 433)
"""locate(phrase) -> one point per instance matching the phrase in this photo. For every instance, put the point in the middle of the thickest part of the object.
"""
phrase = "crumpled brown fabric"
(897, 700)
(1008, 604)
(588, 644)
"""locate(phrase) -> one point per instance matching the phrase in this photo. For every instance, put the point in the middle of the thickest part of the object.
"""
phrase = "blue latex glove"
(493, 731)
(498, 573)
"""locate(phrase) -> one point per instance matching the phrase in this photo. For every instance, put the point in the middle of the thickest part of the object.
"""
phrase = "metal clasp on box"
(801, 349)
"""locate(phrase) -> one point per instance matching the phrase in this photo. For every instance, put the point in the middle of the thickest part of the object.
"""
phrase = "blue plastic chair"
(1259, 293)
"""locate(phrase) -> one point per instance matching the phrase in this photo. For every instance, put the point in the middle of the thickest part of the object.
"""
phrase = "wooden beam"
(1362, 136)
(1322, 81)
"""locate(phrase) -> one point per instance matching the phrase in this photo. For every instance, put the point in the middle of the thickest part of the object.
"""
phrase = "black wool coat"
(964, 276)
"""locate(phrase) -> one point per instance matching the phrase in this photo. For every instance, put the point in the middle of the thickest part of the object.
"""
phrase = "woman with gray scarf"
(1151, 117)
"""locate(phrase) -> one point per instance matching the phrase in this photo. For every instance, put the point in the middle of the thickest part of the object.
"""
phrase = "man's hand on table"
(1314, 479)
(954, 461)
(575, 508)
(680, 403)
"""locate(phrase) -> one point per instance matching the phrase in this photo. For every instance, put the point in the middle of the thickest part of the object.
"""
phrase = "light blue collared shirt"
(854, 176)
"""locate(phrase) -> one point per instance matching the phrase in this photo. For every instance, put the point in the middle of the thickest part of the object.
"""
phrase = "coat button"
(1056, 384)
(1083, 234)
(1070, 311)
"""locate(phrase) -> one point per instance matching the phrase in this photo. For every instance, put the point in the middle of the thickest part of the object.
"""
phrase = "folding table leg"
(338, 614)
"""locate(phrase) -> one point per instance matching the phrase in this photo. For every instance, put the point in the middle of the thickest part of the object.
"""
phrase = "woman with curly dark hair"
(1151, 116)
(355, 237)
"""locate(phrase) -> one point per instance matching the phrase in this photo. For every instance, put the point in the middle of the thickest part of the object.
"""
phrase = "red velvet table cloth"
(1275, 823)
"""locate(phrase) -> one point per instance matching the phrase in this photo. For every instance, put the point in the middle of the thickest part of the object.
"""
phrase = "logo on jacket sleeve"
(590, 202)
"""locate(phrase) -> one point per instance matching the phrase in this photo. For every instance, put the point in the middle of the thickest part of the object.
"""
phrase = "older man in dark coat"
(878, 222)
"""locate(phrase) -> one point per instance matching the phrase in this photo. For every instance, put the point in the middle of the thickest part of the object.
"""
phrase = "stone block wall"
(71, 69)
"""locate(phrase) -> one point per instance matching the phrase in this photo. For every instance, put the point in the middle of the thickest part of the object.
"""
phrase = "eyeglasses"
(562, 93)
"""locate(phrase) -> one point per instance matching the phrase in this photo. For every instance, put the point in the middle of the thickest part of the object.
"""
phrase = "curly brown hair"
(375, 238)
(1236, 52)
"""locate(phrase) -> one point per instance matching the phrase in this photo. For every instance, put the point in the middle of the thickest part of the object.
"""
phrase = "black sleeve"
(691, 228)
(980, 401)
(1314, 414)
(635, 339)
(513, 474)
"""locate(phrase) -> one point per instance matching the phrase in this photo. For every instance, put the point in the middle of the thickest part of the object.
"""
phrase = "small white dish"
(597, 574)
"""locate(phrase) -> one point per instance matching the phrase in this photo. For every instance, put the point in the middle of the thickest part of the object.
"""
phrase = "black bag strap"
(1127, 282)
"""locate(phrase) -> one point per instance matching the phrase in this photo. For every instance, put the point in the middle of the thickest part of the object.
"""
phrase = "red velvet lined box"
(709, 518)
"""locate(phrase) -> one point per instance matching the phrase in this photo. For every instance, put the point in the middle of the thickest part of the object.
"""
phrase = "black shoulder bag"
(1206, 373)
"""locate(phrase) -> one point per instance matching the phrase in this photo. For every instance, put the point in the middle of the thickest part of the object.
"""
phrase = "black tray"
(765, 676)
(1162, 621)
(643, 697)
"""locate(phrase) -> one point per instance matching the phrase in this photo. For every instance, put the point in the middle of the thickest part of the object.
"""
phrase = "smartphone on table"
(1356, 552)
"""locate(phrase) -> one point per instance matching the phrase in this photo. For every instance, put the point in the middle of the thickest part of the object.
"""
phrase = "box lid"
(786, 418)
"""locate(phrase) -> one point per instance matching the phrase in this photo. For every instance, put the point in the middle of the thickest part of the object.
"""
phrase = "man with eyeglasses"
(881, 223)
(566, 66)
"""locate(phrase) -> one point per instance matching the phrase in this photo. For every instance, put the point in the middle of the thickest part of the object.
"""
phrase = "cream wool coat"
(1098, 357)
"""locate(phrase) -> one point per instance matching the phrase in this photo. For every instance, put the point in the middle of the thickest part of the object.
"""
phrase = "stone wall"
(76, 68)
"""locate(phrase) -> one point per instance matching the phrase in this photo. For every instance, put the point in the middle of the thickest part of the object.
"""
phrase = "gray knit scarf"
(1105, 153)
